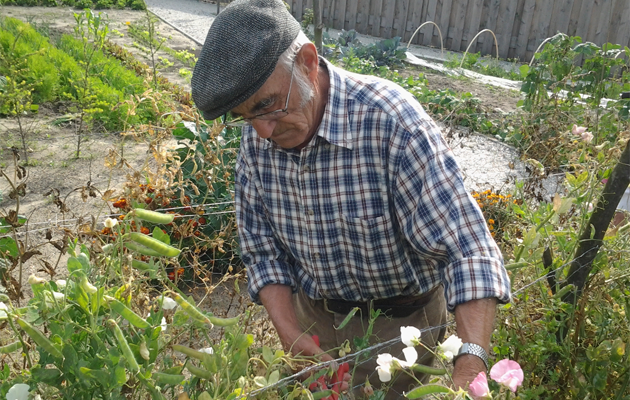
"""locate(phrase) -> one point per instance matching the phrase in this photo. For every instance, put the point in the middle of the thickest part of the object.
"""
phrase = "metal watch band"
(474, 349)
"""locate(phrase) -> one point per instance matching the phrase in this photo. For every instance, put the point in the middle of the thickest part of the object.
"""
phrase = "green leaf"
(8, 245)
(524, 70)
(161, 236)
(273, 377)
(348, 318)
(426, 390)
(260, 381)
(74, 264)
(180, 318)
(267, 355)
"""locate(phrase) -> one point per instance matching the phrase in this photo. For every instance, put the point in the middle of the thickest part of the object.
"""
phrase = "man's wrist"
(474, 350)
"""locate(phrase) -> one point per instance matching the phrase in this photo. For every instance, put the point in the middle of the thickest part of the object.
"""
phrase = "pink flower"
(508, 373)
(578, 130)
(581, 132)
(479, 386)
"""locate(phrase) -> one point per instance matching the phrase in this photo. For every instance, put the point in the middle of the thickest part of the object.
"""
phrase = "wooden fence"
(520, 25)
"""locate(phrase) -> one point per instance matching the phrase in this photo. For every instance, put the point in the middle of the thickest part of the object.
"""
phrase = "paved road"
(191, 17)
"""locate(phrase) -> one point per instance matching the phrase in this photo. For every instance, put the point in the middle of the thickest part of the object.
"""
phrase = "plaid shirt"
(373, 207)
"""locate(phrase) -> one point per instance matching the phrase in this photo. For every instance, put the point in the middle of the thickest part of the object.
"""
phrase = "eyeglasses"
(271, 115)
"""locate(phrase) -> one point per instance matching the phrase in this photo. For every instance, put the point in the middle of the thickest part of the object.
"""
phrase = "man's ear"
(307, 59)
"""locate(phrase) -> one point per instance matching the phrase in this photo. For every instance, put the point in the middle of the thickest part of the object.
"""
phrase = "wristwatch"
(474, 349)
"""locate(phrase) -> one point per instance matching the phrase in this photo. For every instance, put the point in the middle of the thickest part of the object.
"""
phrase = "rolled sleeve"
(272, 272)
(475, 278)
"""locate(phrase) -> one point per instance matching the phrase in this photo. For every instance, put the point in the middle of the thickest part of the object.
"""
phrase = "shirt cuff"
(476, 278)
(272, 272)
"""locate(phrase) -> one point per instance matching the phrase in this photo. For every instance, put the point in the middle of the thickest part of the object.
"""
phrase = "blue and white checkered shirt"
(373, 207)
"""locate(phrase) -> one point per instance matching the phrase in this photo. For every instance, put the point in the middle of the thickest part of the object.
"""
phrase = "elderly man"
(346, 196)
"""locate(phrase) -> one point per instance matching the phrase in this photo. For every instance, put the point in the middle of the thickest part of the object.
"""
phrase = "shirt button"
(317, 256)
(310, 212)
(306, 168)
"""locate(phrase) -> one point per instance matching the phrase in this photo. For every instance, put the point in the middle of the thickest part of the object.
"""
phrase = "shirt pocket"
(369, 245)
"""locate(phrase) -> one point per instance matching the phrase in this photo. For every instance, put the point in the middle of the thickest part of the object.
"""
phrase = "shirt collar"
(335, 125)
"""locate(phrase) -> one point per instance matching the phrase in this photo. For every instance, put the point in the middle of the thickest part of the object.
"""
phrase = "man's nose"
(264, 127)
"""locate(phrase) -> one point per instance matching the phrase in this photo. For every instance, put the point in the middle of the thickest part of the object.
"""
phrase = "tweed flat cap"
(241, 51)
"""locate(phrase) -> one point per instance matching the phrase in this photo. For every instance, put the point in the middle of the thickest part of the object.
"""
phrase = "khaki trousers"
(315, 319)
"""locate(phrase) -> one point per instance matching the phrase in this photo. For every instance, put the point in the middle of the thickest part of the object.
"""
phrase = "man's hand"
(278, 301)
(475, 322)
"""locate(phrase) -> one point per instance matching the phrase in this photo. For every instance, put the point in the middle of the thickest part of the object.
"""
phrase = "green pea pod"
(199, 372)
(144, 250)
(10, 348)
(39, 338)
(153, 216)
(322, 394)
(224, 321)
(191, 310)
(154, 244)
(424, 369)
(124, 311)
(565, 290)
(424, 390)
(124, 346)
(168, 379)
(142, 266)
(199, 355)
(4, 297)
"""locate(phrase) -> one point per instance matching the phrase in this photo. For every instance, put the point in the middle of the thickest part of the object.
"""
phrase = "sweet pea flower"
(168, 303)
(110, 222)
(61, 283)
(479, 386)
(36, 280)
(207, 350)
(19, 391)
(3, 310)
(450, 347)
(384, 367)
(583, 133)
(410, 335)
(387, 363)
(163, 324)
(508, 373)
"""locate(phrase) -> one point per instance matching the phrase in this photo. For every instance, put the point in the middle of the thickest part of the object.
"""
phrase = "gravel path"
(485, 162)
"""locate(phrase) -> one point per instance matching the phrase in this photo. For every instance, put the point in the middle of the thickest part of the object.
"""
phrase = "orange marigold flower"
(145, 230)
(121, 203)
(491, 221)
(106, 231)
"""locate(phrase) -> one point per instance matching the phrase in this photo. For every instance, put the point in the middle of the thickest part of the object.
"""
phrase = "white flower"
(450, 347)
(110, 222)
(3, 310)
(208, 350)
(87, 286)
(19, 391)
(387, 363)
(144, 351)
(168, 303)
(35, 280)
(384, 367)
(163, 324)
(410, 335)
(411, 356)
(53, 297)
(61, 283)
